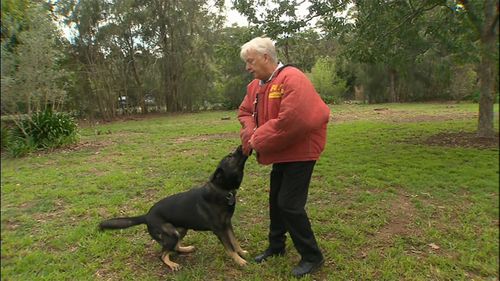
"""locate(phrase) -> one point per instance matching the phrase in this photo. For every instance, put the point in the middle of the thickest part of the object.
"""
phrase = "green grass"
(379, 197)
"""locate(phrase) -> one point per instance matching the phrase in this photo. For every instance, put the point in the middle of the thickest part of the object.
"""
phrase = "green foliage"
(232, 79)
(325, 79)
(5, 136)
(43, 130)
(464, 82)
(14, 17)
(32, 78)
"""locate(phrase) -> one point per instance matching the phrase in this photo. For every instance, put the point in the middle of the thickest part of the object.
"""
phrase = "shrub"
(43, 130)
(5, 136)
(464, 84)
(326, 81)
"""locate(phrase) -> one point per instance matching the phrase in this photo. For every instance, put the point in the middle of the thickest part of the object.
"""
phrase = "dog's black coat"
(209, 207)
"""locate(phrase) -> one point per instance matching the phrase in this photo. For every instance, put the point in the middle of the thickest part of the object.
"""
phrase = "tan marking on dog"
(172, 265)
(184, 249)
(235, 243)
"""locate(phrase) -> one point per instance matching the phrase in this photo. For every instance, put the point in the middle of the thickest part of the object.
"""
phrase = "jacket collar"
(262, 82)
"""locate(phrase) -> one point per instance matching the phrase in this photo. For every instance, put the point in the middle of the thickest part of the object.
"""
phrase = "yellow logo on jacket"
(276, 91)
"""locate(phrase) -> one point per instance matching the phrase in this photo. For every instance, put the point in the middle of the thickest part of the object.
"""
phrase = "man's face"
(256, 64)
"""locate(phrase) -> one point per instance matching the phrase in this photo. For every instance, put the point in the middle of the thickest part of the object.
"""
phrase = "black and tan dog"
(209, 207)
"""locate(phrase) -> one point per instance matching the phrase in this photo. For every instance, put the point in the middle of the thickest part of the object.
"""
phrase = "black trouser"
(287, 199)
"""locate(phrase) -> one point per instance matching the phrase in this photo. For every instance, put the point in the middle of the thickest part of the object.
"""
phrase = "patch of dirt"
(83, 123)
(462, 139)
(76, 147)
(397, 116)
(401, 216)
(402, 213)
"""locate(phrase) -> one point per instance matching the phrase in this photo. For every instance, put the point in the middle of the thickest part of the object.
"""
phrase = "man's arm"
(245, 116)
(301, 111)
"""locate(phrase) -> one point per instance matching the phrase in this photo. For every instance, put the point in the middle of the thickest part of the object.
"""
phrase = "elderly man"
(284, 121)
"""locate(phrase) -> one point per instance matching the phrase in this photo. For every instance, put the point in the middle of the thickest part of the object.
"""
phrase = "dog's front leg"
(223, 236)
(234, 242)
(165, 257)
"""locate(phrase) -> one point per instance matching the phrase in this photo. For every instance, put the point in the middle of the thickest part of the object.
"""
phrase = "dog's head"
(229, 172)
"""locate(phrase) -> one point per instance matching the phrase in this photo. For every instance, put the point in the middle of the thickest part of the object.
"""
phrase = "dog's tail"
(119, 223)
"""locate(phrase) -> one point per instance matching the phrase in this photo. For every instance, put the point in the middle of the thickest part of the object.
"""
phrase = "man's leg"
(291, 201)
(277, 227)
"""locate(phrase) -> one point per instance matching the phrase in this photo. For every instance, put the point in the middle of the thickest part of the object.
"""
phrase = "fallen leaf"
(434, 246)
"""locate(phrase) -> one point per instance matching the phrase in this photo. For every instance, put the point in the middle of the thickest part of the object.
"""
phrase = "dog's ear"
(218, 176)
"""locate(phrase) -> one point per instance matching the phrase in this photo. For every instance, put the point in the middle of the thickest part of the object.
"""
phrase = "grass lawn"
(387, 201)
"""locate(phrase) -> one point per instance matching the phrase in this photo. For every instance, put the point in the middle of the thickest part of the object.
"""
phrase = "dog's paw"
(170, 264)
(174, 266)
(241, 262)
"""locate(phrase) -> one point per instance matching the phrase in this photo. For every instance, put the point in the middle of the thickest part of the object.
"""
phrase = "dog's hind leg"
(183, 249)
(169, 238)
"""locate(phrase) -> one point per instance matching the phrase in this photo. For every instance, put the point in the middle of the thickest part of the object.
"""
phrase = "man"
(284, 121)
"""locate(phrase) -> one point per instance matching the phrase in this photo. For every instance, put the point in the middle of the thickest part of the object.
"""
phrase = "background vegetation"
(387, 201)
(172, 56)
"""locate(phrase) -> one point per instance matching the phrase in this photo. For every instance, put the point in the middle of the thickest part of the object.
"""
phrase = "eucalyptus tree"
(14, 20)
(97, 89)
(231, 77)
(181, 32)
(32, 78)
(283, 20)
(155, 51)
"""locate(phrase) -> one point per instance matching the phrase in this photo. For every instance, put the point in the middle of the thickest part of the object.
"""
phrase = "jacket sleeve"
(247, 122)
(301, 111)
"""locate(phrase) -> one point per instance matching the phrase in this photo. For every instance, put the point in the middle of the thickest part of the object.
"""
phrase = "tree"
(232, 78)
(32, 79)
(485, 25)
(155, 50)
(398, 33)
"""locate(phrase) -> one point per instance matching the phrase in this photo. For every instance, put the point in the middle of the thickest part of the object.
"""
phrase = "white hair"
(262, 45)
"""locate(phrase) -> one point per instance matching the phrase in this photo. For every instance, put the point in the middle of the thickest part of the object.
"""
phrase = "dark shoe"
(268, 253)
(306, 267)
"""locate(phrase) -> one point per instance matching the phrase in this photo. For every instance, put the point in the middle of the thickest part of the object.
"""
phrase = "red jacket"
(291, 118)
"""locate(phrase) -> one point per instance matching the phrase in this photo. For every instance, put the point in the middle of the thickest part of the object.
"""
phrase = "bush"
(464, 84)
(326, 81)
(43, 130)
(5, 137)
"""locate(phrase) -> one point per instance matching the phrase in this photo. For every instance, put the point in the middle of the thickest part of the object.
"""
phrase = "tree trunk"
(487, 87)
(287, 55)
(487, 71)
(392, 87)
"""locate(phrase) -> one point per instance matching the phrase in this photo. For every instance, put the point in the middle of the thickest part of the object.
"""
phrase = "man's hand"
(247, 150)
(251, 142)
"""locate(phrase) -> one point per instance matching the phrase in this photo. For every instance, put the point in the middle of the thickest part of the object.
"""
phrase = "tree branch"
(494, 23)
(412, 16)
(471, 15)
